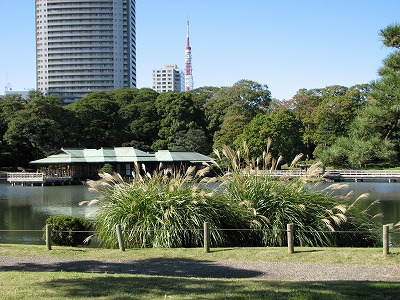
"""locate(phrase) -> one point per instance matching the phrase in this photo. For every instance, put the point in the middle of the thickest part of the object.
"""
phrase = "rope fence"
(194, 229)
(20, 230)
(290, 230)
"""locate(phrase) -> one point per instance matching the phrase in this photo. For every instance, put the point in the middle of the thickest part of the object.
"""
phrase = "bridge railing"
(25, 177)
(279, 173)
(363, 173)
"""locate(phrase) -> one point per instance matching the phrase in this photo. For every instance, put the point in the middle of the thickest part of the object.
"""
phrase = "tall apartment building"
(85, 46)
(169, 78)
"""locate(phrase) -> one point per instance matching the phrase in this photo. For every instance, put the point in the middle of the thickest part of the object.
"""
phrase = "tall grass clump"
(270, 204)
(162, 211)
(244, 204)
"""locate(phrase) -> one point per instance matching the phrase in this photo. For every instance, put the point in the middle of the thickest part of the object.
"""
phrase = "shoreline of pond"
(26, 208)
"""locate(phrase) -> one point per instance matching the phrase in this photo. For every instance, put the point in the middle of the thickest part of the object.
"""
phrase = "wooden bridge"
(25, 178)
(343, 175)
(359, 176)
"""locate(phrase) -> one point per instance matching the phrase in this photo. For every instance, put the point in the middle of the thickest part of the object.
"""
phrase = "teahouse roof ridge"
(120, 155)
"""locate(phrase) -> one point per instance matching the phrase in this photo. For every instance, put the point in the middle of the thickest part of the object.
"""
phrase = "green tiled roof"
(120, 154)
(174, 156)
(62, 158)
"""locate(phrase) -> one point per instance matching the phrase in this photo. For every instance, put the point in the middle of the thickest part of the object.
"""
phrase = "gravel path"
(208, 269)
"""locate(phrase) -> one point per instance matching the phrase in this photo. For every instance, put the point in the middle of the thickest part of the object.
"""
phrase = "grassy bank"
(360, 256)
(73, 285)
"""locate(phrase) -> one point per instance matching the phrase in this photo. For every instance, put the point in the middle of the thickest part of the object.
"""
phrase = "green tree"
(191, 140)
(382, 114)
(326, 114)
(282, 127)
(391, 36)
(374, 136)
(98, 123)
(107, 168)
(201, 96)
(304, 103)
(9, 106)
(123, 96)
(356, 153)
(385, 92)
(338, 108)
(178, 114)
(139, 116)
(245, 97)
(231, 127)
(39, 129)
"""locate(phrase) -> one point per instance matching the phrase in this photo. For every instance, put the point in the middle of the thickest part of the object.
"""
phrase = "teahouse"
(87, 163)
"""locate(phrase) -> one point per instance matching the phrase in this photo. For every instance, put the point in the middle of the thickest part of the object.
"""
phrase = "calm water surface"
(26, 208)
(383, 198)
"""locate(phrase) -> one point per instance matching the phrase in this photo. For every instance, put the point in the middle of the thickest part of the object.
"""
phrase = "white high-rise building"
(169, 78)
(85, 46)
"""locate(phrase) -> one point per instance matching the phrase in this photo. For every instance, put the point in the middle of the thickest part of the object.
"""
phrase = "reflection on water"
(383, 201)
(383, 198)
(26, 208)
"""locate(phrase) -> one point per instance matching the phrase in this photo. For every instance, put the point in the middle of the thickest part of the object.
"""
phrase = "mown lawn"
(360, 256)
(75, 285)
(69, 285)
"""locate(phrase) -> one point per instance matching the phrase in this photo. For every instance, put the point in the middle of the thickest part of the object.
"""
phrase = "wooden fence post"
(290, 238)
(120, 237)
(48, 236)
(386, 239)
(206, 237)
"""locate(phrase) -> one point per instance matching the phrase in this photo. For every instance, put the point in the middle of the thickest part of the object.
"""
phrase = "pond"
(26, 208)
(383, 198)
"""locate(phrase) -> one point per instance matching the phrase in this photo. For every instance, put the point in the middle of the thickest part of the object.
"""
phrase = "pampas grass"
(244, 206)
(161, 211)
(270, 204)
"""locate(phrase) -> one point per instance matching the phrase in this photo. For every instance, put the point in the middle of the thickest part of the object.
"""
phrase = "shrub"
(107, 168)
(65, 227)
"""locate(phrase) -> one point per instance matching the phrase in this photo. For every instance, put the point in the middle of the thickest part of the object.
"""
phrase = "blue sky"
(285, 44)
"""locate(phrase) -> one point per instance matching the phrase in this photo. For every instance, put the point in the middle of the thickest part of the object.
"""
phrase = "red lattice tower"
(188, 63)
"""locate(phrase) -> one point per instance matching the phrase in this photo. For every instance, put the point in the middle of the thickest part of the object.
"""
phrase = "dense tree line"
(40, 125)
(201, 120)
(354, 126)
